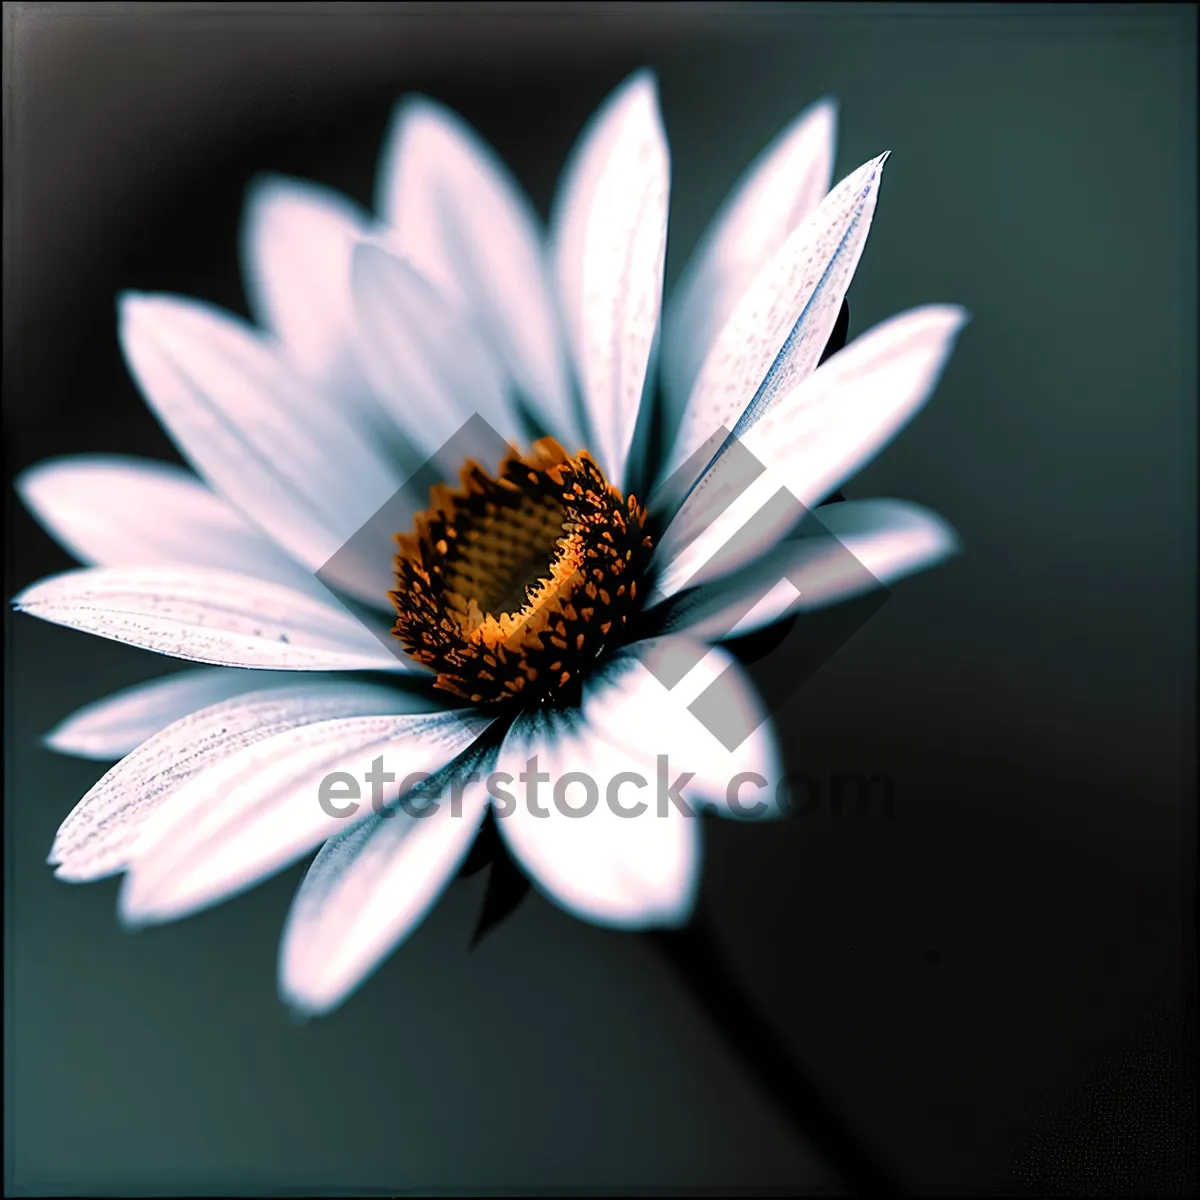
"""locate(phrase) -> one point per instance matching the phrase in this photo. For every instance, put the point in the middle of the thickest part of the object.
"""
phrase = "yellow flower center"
(510, 587)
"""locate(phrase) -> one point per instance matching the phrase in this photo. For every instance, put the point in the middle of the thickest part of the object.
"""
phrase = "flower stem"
(693, 952)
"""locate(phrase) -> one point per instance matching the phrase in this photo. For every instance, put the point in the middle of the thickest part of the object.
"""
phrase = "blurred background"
(995, 985)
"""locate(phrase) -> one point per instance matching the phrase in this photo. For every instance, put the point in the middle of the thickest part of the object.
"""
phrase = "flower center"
(512, 586)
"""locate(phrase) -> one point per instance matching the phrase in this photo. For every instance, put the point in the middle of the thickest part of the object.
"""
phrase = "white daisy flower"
(537, 607)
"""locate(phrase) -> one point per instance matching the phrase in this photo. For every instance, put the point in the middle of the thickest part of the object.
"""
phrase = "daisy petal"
(285, 454)
(815, 438)
(296, 241)
(368, 889)
(99, 835)
(775, 335)
(427, 365)
(463, 221)
(863, 544)
(629, 872)
(206, 615)
(610, 238)
(247, 816)
(113, 511)
(110, 728)
(680, 706)
(778, 190)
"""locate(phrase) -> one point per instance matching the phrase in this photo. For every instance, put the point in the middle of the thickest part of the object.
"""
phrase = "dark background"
(994, 984)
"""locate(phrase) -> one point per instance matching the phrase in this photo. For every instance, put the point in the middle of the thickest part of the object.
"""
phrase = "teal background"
(953, 976)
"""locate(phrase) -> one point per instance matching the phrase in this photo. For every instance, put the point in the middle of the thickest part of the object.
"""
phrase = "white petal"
(114, 511)
(466, 225)
(110, 728)
(810, 442)
(296, 242)
(859, 545)
(210, 616)
(677, 697)
(99, 835)
(610, 238)
(777, 191)
(776, 334)
(629, 872)
(366, 891)
(252, 813)
(287, 455)
(422, 354)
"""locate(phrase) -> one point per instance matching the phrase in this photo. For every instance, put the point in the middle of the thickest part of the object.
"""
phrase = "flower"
(537, 602)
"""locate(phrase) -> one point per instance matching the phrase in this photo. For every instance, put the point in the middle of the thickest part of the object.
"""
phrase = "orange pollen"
(510, 587)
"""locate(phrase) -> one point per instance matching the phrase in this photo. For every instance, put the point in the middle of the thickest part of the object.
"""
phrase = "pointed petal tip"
(946, 541)
(418, 104)
(303, 1007)
(35, 485)
(262, 185)
(872, 170)
(25, 483)
(53, 740)
(643, 77)
(130, 915)
(826, 114)
(641, 87)
(677, 916)
(956, 317)
(20, 600)
(122, 303)
(135, 305)
(948, 320)
(415, 111)
(133, 299)
(60, 740)
(64, 872)
(27, 597)
(636, 97)
(135, 309)
(940, 540)
(951, 541)
(306, 998)
(825, 110)
(264, 190)
(134, 909)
